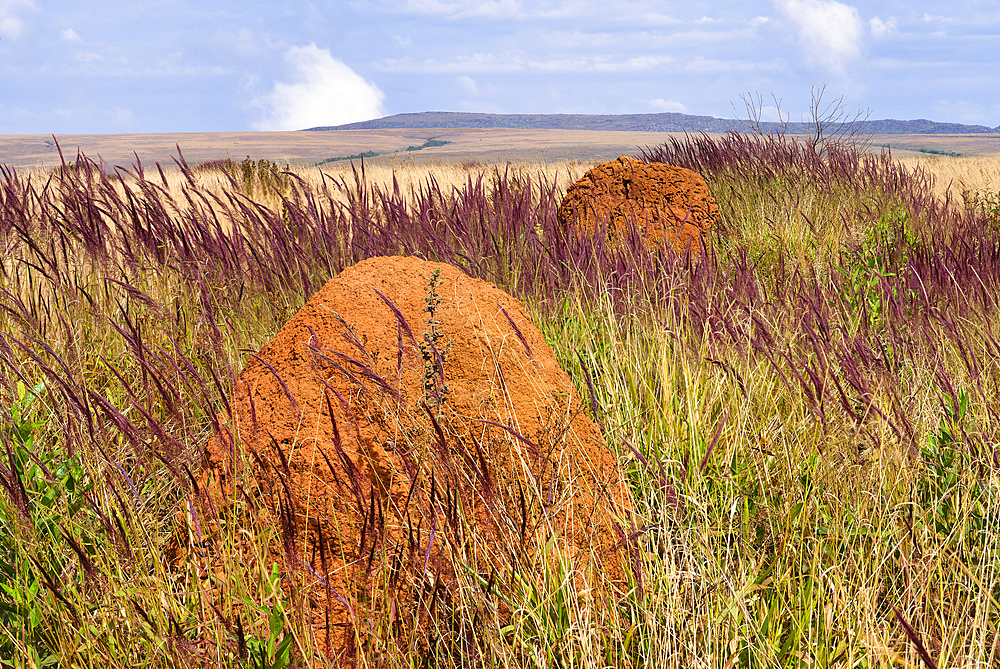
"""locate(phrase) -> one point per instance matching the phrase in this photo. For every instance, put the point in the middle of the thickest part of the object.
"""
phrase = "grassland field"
(807, 412)
(305, 148)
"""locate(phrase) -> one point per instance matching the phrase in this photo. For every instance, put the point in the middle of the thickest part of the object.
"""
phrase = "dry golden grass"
(449, 174)
(957, 175)
(952, 175)
(409, 176)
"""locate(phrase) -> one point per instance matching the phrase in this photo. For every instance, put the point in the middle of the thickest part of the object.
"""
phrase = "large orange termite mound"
(667, 204)
(408, 420)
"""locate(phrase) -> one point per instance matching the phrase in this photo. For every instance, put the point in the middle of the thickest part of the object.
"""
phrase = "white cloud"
(659, 19)
(716, 66)
(11, 24)
(518, 61)
(500, 9)
(880, 27)
(89, 57)
(932, 18)
(69, 35)
(324, 91)
(660, 104)
(430, 6)
(468, 84)
(638, 63)
(647, 11)
(491, 9)
(829, 32)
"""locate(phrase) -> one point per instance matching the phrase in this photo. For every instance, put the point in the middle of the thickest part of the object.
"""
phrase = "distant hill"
(665, 122)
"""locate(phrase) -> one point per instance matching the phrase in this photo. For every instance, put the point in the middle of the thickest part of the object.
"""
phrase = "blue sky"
(178, 65)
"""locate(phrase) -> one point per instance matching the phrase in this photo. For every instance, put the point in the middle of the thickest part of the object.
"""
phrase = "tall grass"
(806, 413)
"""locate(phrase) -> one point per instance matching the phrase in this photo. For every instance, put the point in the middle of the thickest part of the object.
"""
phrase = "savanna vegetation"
(806, 411)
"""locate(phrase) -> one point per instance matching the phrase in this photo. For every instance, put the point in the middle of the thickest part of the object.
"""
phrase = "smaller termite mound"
(416, 436)
(666, 204)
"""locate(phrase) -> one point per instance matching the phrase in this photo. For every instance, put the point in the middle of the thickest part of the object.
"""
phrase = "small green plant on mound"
(433, 354)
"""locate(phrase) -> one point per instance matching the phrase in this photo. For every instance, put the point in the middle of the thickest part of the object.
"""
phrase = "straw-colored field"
(306, 147)
(956, 175)
(391, 146)
(951, 175)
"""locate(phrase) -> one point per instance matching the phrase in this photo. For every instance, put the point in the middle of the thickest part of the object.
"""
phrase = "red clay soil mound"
(668, 204)
(408, 421)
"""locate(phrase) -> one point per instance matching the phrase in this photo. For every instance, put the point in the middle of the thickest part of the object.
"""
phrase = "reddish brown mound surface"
(346, 441)
(668, 204)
